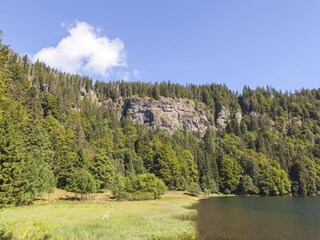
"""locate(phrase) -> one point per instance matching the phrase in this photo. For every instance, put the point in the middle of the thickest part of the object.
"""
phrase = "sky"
(247, 42)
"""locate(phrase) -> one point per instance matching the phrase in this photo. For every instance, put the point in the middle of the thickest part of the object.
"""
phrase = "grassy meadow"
(165, 218)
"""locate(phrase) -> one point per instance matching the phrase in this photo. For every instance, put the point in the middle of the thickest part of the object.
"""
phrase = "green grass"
(166, 218)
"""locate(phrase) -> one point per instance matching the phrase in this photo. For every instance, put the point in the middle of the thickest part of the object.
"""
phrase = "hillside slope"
(58, 127)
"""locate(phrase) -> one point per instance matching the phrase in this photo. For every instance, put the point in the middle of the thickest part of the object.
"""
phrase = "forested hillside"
(56, 130)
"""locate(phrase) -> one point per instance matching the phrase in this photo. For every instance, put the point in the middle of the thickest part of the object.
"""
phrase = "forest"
(53, 137)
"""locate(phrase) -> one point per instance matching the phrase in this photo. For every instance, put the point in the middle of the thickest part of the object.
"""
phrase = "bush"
(194, 189)
(141, 187)
(118, 188)
(82, 182)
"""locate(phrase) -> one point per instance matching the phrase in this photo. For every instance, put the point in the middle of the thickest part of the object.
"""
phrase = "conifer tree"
(102, 169)
(12, 154)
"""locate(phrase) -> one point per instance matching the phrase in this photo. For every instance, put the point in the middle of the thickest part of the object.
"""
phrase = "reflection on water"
(259, 218)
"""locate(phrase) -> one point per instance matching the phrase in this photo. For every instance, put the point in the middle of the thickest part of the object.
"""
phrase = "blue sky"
(255, 43)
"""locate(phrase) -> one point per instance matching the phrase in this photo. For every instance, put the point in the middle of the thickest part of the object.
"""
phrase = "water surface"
(259, 218)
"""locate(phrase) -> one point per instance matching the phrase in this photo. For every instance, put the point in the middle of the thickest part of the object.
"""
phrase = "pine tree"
(12, 154)
(102, 169)
(40, 177)
(166, 166)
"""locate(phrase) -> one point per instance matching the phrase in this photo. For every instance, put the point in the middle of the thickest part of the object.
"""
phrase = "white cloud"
(85, 51)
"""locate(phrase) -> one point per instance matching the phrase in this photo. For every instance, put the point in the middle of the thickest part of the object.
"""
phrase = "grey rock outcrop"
(167, 113)
(238, 116)
(223, 118)
(90, 94)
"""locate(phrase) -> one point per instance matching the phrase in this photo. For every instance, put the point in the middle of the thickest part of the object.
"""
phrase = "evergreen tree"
(102, 169)
(166, 165)
(12, 154)
(40, 178)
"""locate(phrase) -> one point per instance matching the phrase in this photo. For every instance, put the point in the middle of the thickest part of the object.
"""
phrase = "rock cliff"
(90, 94)
(167, 113)
(223, 118)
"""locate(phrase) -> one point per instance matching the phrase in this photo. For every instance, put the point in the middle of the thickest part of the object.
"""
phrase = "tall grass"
(166, 218)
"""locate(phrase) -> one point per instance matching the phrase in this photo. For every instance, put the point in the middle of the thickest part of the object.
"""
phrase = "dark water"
(259, 218)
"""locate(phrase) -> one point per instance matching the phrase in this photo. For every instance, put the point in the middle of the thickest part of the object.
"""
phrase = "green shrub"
(118, 188)
(142, 187)
(82, 182)
(194, 189)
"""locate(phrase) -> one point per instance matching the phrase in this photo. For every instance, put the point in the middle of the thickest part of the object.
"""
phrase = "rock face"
(167, 113)
(238, 116)
(90, 94)
(223, 118)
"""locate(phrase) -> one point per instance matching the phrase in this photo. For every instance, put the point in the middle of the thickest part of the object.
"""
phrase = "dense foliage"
(139, 187)
(53, 135)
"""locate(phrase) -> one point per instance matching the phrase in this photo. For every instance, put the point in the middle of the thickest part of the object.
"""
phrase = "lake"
(258, 218)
